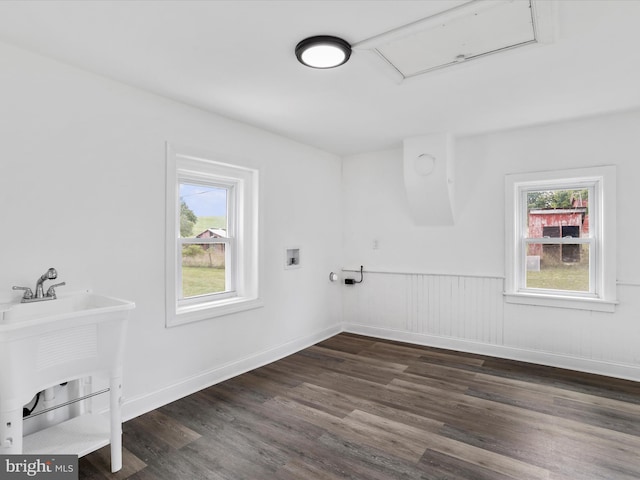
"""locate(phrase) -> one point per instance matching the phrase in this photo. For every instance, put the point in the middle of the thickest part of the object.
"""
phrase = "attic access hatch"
(468, 31)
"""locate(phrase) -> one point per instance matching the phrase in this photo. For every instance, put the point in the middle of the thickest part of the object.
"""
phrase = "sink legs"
(115, 394)
(10, 430)
(11, 427)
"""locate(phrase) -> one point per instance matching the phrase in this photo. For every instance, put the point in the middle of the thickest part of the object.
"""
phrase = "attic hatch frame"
(543, 20)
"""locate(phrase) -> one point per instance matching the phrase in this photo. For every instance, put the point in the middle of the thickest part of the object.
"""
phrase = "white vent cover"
(465, 32)
(428, 179)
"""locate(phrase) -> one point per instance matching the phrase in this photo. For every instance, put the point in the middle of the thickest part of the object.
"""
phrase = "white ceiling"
(236, 58)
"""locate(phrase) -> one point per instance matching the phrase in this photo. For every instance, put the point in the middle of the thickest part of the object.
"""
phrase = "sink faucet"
(50, 274)
(28, 296)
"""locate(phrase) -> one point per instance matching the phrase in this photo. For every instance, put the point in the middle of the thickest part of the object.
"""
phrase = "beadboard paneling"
(468, 313)
(463, 307)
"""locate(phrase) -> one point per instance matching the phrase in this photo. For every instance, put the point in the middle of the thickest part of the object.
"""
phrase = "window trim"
(190, 165)
(602, 254)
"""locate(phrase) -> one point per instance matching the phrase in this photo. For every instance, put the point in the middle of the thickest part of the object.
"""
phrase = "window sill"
(578, 303)
(203, 311)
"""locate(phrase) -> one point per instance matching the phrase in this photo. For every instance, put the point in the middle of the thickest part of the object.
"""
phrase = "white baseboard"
(610, 369)
(139, 405)
(136, 406)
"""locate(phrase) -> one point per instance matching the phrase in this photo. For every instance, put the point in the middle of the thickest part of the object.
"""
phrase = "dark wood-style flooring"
(355, 407)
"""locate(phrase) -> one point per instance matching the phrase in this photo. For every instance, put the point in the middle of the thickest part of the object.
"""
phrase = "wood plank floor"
(355, 407)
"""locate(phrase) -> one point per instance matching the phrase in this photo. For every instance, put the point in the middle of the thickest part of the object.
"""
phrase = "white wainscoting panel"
(455, 306)
(468, 313)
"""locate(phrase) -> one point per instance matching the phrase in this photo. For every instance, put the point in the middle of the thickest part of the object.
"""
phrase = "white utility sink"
(47, 343)
(73, 305)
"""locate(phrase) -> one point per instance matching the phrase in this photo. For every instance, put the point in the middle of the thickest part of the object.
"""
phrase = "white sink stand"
(39, 353)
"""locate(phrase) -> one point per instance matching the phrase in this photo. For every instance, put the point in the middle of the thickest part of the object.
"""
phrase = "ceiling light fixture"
(323, 51)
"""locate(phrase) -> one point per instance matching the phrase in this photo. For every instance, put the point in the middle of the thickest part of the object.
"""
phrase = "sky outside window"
(204, 201)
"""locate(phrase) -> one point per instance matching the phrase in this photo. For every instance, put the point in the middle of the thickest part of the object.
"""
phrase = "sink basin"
(68, 306)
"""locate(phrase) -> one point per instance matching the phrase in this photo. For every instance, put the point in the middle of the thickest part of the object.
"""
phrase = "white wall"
(82, 189)
(461, 259)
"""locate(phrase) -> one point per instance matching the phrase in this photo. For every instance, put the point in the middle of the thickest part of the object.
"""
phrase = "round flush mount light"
(323, 51)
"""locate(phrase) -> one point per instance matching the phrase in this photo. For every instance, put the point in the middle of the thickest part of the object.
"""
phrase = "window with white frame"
(560, 238)
(212, 237)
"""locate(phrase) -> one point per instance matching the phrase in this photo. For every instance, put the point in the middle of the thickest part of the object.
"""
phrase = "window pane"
(203, 211)
(558, 267)
(203, 269)
(203, 214)
(558, 213)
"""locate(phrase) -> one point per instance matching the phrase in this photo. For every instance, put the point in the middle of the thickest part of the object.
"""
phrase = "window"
(560, 238)
(212, 237)
(207, 239)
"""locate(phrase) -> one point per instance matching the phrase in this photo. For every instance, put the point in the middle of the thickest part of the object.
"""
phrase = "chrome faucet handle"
(28, 293)
(51, 290)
